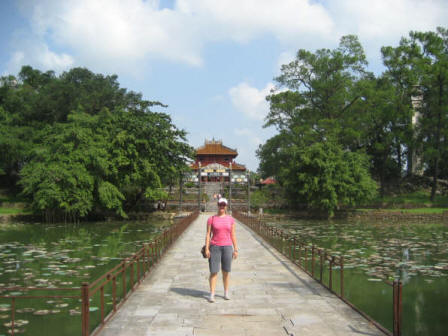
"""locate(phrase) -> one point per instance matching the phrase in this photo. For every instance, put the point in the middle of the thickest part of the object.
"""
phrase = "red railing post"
(321, 265)
(138, 268)
(114, 293)
(123, 282)
(306, 259)
(331, 273)
(342, 275)
(397, 301)
(102, 303)
(85, 308)
(312, 260)
(132, 275)
(13, 314)
(294, 251)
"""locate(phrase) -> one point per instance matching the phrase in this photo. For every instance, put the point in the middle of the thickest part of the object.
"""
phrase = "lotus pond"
(62, 255)
(417, 253)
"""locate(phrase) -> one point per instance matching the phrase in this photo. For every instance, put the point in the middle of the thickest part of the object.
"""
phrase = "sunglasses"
(222, 204)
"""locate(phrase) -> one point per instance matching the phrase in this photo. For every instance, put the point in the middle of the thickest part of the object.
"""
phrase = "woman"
(220, 247)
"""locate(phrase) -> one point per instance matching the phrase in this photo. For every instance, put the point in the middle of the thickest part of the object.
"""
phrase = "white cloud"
(116, 35)
(251, 101)
(385, 19)
(243, 20)
(39, 55)
(383, 22)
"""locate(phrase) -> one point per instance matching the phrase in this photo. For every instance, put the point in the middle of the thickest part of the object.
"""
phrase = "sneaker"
(211, 298)
(226, 297)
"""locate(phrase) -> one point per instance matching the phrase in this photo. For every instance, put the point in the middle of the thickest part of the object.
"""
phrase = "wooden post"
(342, 276)
(13, 314)
(397, 301)
(102, 303)
(312, 260)
(85, 308)
(123, 279)
(331, 273)
(321, 265)
(294, 251)
(306, 258)
(114, 293)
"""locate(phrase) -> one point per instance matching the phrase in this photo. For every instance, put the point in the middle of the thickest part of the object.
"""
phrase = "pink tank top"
(221, 230)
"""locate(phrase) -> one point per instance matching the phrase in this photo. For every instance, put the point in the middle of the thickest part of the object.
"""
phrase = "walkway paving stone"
(269, 296)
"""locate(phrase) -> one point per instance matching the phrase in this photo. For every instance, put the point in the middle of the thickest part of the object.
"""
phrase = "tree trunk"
(169, 194)
(400, 163)
(434, 179)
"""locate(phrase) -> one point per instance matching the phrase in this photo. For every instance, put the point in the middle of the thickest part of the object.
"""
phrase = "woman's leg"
(212, 280)
(214, 264)
(225, 280)
(226, 268)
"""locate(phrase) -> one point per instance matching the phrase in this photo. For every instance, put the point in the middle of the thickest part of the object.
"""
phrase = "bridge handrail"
(274, 234)
(144, 259)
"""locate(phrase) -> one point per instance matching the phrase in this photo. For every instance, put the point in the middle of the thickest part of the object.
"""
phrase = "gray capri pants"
(220, 255)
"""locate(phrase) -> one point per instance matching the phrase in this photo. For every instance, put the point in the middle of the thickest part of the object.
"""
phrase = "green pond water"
(417, 253)
(63, 255)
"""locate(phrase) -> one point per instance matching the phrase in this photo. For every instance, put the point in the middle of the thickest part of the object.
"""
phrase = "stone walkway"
(269, 296)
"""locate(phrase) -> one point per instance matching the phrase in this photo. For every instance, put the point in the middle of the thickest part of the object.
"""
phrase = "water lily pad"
(42, 312)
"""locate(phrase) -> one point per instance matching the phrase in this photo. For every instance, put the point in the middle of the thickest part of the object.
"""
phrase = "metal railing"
(127, 275)
(305, 257)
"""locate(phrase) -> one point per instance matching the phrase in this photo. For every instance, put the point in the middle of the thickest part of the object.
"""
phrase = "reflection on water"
(63, 255)
(415, 252)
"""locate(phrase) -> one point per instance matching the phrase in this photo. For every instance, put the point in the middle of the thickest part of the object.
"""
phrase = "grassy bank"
(413, 210)
(13, 211)
(418, 199)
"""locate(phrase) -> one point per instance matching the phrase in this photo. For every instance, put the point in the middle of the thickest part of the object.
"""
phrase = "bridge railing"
(320, 265)
(110, 290)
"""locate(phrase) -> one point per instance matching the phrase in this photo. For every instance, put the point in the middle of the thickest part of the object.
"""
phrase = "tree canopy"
(337, 122)
(78, 143)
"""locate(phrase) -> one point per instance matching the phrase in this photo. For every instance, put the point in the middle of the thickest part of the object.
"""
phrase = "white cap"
(222, 200)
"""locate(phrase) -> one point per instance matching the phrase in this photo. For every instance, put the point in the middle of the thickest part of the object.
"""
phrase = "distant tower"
(415, 159)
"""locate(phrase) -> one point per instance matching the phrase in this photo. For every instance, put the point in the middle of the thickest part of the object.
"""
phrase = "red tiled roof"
(269, 180)
(215, 148)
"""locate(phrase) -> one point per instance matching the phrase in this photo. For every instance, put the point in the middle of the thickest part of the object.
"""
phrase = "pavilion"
(217, 164)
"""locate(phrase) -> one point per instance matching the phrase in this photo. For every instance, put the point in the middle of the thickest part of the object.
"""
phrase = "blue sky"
(211, 61)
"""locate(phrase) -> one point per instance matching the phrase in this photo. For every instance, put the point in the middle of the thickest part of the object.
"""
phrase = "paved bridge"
(269, 296)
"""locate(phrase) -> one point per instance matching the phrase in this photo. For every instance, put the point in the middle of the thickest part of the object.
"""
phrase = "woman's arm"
(235, 245)
(207, 240)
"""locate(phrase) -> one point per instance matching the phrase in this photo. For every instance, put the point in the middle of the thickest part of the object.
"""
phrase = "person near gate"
(220, 247)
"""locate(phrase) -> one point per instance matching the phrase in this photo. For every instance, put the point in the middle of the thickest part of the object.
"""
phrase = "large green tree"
(78, 143)
(425, 54)
(315, 114)
(325, 177)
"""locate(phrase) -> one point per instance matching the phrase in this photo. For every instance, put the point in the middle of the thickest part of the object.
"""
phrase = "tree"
(404, 80)
(325, 177)
(320, 90)
(78, 143)
(315, 114)
(427, 56)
